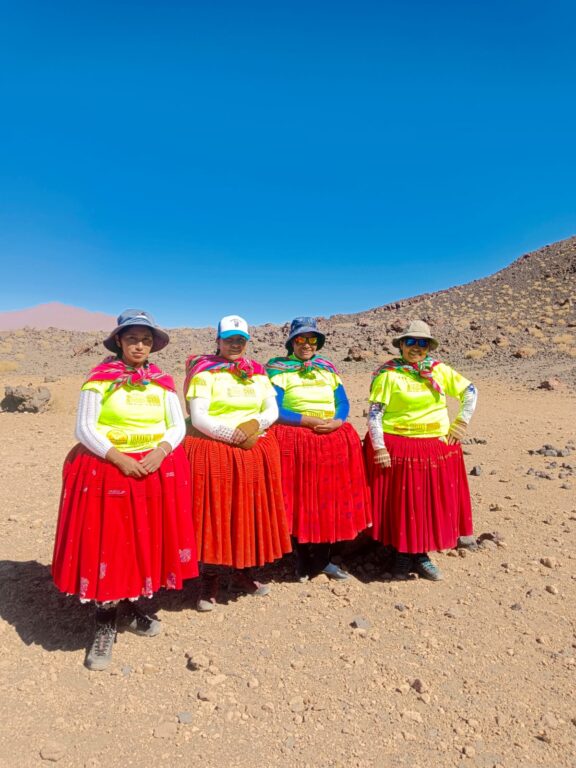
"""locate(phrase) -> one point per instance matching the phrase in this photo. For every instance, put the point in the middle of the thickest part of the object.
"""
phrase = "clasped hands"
(132, 467)
(245, 435)
(321, 426)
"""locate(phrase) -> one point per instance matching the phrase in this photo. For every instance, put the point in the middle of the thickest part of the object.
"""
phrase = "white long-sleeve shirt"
(89, 407)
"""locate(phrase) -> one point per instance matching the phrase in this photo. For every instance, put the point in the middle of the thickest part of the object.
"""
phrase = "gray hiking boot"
(99, 655)
(140, 623)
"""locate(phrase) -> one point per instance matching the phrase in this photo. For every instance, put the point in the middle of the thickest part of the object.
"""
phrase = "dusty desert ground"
(477, 670)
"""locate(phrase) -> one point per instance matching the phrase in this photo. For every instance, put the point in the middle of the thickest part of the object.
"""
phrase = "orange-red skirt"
(422, 502)
(122, 537)
(324, 482)
(237, 503)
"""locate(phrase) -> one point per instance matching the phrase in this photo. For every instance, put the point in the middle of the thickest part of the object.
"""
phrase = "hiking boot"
(209, 585)
(403, 566)
(99, 655)
(243, 583)
(426, 569)
(140, 623)
(335, 572)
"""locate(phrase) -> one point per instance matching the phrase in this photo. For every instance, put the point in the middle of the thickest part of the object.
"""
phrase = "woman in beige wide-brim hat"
(420, 496)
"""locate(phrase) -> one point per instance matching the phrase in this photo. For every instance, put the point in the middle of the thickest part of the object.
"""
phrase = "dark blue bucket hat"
(304, 325)
(137, 317)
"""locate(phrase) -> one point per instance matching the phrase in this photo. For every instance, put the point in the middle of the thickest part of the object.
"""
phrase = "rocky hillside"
(521, 321)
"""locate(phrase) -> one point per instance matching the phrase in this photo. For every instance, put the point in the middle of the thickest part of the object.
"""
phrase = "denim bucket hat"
(137, 317)
(304, 325)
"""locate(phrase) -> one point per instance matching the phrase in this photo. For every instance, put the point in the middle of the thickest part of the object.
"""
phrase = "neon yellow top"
(310, 394)
(132, 418)
(413, 408)
(232, 400)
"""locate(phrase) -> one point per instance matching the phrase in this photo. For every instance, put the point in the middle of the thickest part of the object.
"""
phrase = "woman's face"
(305, 345)
(233, 347)
(136, 344)
(414, 353)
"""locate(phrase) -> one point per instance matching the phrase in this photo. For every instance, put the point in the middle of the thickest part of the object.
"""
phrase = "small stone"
(196, 660)
(297, 704)
(549, 562)
(419, 685)
(359, 623)
(216, 679)
(551, 589)
(166, 730)
(425, 698)
(469, 751)
(205, 695)
(410, 714)
(451, 613)
(53, 751)
(400, 607)
(148, 668)
(549, 721)
(476, 471)
(253, 682)
(185, 718)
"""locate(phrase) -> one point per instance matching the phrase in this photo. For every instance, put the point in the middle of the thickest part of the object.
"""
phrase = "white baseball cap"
(233, 325)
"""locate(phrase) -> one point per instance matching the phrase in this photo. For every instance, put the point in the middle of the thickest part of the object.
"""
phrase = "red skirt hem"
(324, 483)
(422, 502)
(237, 503)
(120, 537)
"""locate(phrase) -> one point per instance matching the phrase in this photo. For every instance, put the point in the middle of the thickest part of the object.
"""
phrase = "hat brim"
(161, 338)
(306, 329)
(235, 332)
(396, 341)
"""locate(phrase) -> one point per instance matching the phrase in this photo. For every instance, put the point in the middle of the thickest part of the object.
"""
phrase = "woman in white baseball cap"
(237, 501)
(420, 496)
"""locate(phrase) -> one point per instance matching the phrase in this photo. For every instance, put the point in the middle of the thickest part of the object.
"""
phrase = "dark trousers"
(311, 558)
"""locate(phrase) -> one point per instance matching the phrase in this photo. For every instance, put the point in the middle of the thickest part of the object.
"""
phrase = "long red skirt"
(122, 537)
(422, 502)
(324, 482)
(237, 504)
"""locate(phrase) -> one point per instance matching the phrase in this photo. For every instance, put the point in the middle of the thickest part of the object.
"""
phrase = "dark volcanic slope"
(520, 322)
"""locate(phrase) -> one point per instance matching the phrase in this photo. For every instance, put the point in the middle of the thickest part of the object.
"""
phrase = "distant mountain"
(56, 315)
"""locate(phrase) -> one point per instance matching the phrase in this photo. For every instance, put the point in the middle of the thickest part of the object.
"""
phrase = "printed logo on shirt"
(117, 437)
(241, 391)
(141, 398)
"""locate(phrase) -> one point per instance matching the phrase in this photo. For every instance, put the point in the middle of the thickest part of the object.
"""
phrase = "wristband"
(164, 451)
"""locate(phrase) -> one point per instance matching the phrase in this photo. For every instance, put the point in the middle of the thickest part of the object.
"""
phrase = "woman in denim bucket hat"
(323, 478)
(420, 496)
(125, 522)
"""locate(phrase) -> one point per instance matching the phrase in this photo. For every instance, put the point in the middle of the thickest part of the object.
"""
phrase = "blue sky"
(278, 158)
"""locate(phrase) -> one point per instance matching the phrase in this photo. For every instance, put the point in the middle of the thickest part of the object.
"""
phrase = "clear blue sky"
(278, 157)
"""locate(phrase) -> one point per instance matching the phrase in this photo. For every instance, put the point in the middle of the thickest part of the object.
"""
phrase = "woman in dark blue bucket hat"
(323, 479)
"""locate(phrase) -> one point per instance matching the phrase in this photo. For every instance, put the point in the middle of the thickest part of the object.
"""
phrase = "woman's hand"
(237, 437)
(153, 460)
(382, 458)
(126, 464)
(327, 426)
(456, 432)
(311, 421)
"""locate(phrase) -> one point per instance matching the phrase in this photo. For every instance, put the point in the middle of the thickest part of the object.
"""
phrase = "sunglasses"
(312, 340)
(422, 343)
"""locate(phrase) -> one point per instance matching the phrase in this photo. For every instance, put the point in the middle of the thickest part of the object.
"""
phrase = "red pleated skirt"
(237, 503)
(123, 537)
(324, 482)
(422, 502)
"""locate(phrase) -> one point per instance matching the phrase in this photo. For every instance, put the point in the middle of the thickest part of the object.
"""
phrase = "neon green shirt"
(132, 418)
(310, 394)
(232, 400)
(413, 408)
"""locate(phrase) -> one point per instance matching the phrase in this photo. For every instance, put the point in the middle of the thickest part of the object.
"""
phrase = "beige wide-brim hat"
(417, 329)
